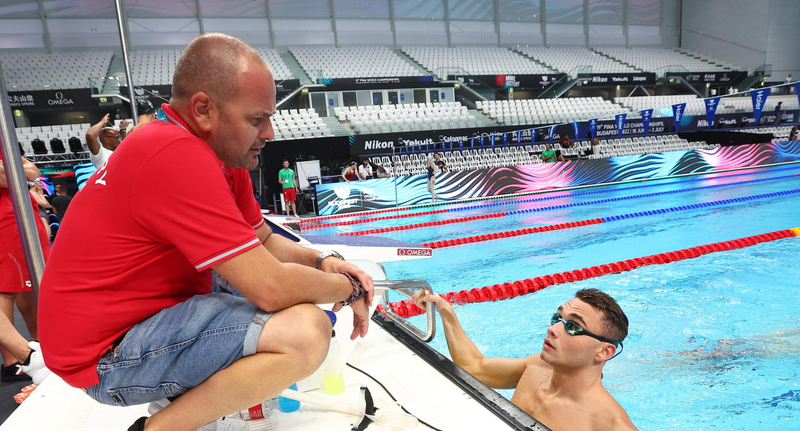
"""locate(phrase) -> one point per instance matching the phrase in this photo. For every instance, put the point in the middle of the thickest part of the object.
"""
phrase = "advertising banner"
(646, 115)
(385, 82)
(677, 114)
(759, 100)
(606, 79)
(576, 128)
(711, 109)
(517, 82)
(724, 78)
(619, 119)
(52, 99)
(382, 193)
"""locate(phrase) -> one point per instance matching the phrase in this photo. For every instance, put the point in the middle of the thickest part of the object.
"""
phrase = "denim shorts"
(178, 349)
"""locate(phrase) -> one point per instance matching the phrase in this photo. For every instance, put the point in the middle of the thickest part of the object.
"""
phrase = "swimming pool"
(714, 341)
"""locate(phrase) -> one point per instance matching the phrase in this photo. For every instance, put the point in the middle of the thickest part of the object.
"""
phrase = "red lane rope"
(508, 234)
(418, 225)
(367, 220)
(407, 308)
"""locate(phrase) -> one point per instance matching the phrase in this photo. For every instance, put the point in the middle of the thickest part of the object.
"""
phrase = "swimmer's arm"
(503, 373)
(30, 169)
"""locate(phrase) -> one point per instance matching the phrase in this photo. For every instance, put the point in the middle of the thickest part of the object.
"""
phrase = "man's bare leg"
(13, 344)
(291, 346)
(7, 309)
(26, 303)
(294, 209)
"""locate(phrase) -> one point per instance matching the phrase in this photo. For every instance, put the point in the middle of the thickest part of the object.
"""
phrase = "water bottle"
(260, 411)
(333, 369)
(288, 405)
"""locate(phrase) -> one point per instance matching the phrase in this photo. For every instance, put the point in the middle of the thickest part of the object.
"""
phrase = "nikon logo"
(378, 145)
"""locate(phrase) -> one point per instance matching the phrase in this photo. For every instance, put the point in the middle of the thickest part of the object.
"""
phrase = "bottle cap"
(332, 316)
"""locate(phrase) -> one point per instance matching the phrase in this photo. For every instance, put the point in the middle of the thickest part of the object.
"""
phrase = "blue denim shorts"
(178, 349)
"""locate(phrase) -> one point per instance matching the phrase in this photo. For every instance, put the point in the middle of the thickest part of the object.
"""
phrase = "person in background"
(365, 170)
(566, 142)
(595, 147)
(103, 140)
(61, 202)
(793, 134)
(562, 385)
(38, 194)
(435, 167)
(288, 182)
(350, 173)
(15, 282)
(788, 79)
(146, 113)
(382, 172)
(778, 112)
(548, 155)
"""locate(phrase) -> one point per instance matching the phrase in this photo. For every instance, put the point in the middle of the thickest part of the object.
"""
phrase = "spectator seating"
(548, 111)
(408, 117)
(662, 105)
(156, 66)
(63, 132)
(780, 132)
(569, 59)
(352, 62)
(660, 60)
(444, 61)
(31, 71)
(298, 124)
(644, 145)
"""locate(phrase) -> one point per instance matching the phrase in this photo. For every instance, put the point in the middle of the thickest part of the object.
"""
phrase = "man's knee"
(303, 331)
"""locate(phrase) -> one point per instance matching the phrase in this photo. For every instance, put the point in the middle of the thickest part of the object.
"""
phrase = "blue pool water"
(714, 342)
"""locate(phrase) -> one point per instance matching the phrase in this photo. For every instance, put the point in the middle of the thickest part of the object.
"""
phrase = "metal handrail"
(403, 287)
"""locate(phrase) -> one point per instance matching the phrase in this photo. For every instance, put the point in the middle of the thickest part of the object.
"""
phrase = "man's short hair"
(211, 64)
(615, 322)
(285, 160)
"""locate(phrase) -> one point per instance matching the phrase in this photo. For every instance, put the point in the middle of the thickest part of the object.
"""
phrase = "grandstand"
(696, 106)
(443, 61)
(660, 60)
(156, 66)
(298, 124)
(404, 118)
(574, 60)
(548, 111)
(352, 62)
(31, 71)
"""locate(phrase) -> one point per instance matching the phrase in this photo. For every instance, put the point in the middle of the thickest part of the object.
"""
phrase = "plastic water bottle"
(288, 405)
(333, 377)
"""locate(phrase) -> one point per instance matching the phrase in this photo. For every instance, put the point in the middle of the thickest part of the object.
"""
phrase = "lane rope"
(407, 308)
(508, 234)
(557, 207)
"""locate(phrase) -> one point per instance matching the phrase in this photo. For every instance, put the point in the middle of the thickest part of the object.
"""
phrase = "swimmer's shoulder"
(610, 415)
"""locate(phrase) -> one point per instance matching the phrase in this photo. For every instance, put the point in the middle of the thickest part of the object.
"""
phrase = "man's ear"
(203, 111)
(606, 352)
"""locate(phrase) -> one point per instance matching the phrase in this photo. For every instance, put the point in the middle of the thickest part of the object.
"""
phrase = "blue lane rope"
(594, 192)
(701, 205)
(647, 195)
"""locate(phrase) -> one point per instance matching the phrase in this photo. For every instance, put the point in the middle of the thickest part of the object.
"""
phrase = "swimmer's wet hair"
(615, 321)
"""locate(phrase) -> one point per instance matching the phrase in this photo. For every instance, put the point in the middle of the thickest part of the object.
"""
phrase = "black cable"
(393, 398)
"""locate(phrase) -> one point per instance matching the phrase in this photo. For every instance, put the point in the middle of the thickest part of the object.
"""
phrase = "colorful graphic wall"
(336, 198)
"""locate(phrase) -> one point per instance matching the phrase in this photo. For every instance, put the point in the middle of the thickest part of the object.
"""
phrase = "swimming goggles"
(576, 329)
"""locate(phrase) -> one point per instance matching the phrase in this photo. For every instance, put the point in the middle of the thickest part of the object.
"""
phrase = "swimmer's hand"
(420, 298)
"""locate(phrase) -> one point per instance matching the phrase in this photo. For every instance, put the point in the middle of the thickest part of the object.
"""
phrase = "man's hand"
(102, 123)
(338, 265)
(421, 298)
(123, 124)
(360, 318)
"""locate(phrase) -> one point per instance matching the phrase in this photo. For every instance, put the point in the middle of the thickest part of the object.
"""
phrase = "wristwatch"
(325, 255)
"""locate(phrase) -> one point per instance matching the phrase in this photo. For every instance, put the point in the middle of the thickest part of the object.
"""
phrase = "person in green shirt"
(289, 183)
(548, 155)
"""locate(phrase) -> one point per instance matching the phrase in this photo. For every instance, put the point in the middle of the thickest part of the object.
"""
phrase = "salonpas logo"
(60, 100)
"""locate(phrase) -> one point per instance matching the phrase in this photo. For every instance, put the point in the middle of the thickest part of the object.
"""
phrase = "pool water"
(714, 342)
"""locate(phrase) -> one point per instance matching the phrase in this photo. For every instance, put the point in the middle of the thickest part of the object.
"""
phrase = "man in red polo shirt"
(127, 311)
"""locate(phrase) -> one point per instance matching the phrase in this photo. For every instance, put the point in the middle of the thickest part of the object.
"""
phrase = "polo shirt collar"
(175, 119)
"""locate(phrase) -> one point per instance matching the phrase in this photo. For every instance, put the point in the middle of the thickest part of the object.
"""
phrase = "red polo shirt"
(141, 237)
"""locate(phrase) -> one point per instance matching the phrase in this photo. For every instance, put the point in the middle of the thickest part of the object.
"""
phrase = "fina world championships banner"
(604, 79)
(381, 193)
